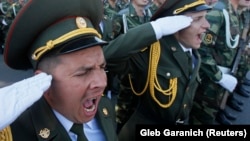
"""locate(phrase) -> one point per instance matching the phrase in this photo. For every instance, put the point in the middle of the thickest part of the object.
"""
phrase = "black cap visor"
(80, 43)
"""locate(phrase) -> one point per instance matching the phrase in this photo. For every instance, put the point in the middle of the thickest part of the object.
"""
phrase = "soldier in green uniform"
(162, 75)
(244, 65)
(62, 41)
(217, 51)
(135, 14)
(109, 31)
(110, 8)
(155, 5)
(122, 4)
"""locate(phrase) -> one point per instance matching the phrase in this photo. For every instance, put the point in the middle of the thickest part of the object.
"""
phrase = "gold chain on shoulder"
(152, 80)
(5, 134)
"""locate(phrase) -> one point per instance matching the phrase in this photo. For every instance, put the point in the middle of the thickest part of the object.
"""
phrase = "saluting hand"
(170, 24)
(16, 98)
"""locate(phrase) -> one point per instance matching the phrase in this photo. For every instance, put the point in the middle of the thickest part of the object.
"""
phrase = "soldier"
(244, 66)
(64, 43)
(162, 75)
(155, 5)
(109, 31)
(122, 4)
(110, 8)
(211, 2)
(217, 51)
(135, 14)
(52, 45)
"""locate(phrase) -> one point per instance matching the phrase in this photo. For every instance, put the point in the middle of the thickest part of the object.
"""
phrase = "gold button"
(105, 111)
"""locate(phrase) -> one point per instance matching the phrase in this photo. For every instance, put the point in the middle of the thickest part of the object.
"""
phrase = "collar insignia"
(44, 133)
(105, 111)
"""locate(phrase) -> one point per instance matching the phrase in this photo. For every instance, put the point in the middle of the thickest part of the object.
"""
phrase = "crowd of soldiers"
(184, 77)
(126, 15)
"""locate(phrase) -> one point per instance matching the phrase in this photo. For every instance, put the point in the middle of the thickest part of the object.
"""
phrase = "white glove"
(228, 82)
(169, 25)
(16, 98)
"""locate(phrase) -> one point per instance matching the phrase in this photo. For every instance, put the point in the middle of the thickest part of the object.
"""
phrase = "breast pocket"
(166, 75)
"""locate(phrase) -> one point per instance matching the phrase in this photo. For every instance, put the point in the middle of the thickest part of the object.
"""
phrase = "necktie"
(78, 130)
(190, 62)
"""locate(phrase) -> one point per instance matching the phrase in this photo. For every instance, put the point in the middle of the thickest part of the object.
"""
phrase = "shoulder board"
(219, 6)
(124, 11)
(5, 134)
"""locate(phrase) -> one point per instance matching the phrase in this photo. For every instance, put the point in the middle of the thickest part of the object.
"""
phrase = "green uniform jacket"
(216, 52)
(38, 123)
(173, 62)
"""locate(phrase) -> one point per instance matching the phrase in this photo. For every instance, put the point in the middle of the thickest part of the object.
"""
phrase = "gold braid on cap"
(185, 7)
(51, 43)
(152, 80)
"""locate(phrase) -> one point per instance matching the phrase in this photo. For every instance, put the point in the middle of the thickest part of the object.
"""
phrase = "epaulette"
(219, 6)
(124, 11)
(5, 134)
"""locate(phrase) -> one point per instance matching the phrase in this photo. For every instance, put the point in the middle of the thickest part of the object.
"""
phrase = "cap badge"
(81, 22)
(44, 133)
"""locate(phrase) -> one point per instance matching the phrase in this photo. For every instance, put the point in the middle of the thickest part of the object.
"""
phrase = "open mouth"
(90, 104)
(199, 36)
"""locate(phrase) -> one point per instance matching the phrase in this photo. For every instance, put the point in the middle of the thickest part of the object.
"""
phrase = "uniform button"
(184, 106)
(168, 74)
(173, 48)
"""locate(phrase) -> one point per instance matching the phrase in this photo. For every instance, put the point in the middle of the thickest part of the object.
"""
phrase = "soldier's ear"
(38, 71)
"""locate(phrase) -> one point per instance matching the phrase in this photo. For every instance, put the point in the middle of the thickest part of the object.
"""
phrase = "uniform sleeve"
(246, 19)
(16, 98)
(13, 103)
(119, 50)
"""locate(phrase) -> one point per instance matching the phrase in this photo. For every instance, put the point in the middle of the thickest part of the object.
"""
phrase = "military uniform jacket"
(214, 49)
(38, 123)
(128, 17)
(172, 64)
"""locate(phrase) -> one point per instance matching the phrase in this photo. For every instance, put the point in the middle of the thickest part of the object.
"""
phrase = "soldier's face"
(79, 80)
(141, 2)
(190, 37)
(211, 2)
(244, 3)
